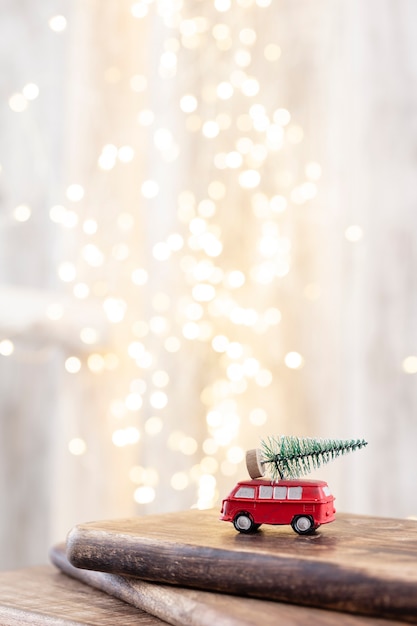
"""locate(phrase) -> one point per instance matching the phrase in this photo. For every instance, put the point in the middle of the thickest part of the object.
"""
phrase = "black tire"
(244, 523)
(303, 524)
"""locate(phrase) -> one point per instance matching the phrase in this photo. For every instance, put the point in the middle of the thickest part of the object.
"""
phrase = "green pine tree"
(291, 457)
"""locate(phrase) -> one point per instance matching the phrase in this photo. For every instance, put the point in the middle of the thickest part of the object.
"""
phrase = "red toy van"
(305, 504)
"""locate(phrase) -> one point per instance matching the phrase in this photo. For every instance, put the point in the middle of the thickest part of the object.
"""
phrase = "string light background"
(174, 246)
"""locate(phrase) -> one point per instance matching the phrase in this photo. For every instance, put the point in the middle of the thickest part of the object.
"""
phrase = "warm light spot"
(409, 365)
(115, 309)
(138, 83)
(313, 170)
(250, 87)
(203, 292)
(258, 417)
(293, 360)
(210, 446)
(22, 213)
(133, 401)
(188, 446)
(220, 343)
(161, 251)
(160, 378)
(278, 204)
(30, 91)
(96, 363)
(6, 347)
(224, 90)
(272, 52)
(235, 454)
(264, 378)
(92, 255)
(144, 495)
(107, 158)
(216, 190)
(247, 36)
(188, 103)
(272, 316)
(144, 475)
(125, 436)
(139, 276)
(73, 364)
(221, 31)
(126, 154)
(125, 221)
(234, 350)
(81, 290)
(158, 399)
(139, 9)
(146, 117)
(18, 103)
(57, 23)
(153, 425)
(172, 344)
(54, 311)
(67, 272)
(89, 335)
(75, 192)
(158, 324)
(354, 233)
(210, 129)
(251, 367)
(222, 5)
(149, 189)
(111, 361)
(179, 481)
(243, 58)
(249, 179)
(295, 134)
(57, 213)
(190, 330)
(77, 446)
(175, 242)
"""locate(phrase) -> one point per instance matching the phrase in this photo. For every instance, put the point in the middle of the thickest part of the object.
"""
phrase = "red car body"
(305, 504)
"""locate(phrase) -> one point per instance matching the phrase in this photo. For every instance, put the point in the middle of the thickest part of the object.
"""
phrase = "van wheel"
(303, 524)
(244, 523)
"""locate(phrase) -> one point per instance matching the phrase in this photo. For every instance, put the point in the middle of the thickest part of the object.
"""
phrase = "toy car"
(305, 504)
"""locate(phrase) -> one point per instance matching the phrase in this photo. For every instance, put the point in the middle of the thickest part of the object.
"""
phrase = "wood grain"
(42, 595)
(357, 564)
(192, 607)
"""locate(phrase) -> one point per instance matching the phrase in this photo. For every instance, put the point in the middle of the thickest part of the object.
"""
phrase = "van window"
(245, 492)
(295, 493)
(326, 491)
(265, 492)
(280, 493)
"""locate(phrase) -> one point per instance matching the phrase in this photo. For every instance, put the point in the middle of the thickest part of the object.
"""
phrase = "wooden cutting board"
(43, 596)
(357, 564)
(192, 607)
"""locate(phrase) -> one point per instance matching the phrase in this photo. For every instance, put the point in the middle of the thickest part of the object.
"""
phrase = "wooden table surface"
(364, 568)
(357, 564)
(193, 607)
(44, 596)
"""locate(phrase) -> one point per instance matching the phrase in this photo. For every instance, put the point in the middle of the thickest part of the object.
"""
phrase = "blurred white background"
(207, 236)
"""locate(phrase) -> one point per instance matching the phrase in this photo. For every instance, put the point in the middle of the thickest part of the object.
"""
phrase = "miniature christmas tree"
(291, 457)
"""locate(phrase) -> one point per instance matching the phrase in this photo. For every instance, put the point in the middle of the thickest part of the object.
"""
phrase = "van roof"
(300, 482)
